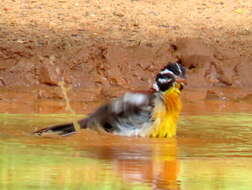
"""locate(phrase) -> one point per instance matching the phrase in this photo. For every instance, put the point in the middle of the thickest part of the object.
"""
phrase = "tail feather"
(62, 129)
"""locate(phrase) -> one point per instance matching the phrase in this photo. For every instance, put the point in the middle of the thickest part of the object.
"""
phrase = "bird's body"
(152, 114)
(165, 114)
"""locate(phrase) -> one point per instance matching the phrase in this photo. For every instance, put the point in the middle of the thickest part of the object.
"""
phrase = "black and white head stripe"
(163, 81)
(174, 68)
(166, 77)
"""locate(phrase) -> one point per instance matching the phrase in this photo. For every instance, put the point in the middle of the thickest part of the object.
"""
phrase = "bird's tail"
(62, 129)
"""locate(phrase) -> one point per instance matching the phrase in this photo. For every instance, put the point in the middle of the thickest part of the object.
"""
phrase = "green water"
(210, 152)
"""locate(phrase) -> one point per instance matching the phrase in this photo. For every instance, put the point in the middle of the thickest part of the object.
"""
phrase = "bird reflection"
(152, 163)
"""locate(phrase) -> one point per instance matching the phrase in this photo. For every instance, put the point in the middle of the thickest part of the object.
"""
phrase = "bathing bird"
(144, 114)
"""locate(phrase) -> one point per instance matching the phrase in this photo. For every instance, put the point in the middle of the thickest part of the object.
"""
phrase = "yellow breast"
(165, 114)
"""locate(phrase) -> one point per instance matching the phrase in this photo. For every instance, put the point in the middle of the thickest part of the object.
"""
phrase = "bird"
(153, 113)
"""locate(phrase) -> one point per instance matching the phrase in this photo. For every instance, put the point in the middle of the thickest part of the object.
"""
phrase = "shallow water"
(211, 151)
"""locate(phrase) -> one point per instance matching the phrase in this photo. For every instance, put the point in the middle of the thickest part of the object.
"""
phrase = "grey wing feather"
(127, 114)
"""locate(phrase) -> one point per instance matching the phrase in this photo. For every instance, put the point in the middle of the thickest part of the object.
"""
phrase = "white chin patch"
(166, 71)
(155, 87)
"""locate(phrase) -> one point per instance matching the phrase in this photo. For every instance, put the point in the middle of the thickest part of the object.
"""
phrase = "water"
(211, 151)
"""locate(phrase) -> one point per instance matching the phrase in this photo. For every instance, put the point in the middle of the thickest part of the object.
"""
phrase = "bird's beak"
(181, 80)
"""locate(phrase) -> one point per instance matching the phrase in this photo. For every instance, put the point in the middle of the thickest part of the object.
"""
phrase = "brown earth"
(102, 48)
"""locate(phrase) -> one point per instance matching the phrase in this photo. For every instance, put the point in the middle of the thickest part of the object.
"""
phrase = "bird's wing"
(128, 112)
(130, 102)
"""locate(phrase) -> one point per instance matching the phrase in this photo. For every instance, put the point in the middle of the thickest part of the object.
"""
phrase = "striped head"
(171, 74)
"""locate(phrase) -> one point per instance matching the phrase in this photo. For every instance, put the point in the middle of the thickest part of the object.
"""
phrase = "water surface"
(211, 151)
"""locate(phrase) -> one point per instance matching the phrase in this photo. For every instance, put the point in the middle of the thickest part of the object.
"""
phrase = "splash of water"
(67, 104)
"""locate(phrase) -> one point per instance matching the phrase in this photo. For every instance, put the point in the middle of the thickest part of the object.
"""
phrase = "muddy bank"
(99, 70)
(82, 100)
(104, 65)
(100, 50)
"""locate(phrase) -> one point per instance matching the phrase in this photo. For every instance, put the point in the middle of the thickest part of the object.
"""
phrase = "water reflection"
(154, 164)
(25, 166)
(210, 152)
(216, 173)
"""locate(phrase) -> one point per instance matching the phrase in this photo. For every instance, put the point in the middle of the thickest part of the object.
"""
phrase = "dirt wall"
(104, 64)
(101, 49)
